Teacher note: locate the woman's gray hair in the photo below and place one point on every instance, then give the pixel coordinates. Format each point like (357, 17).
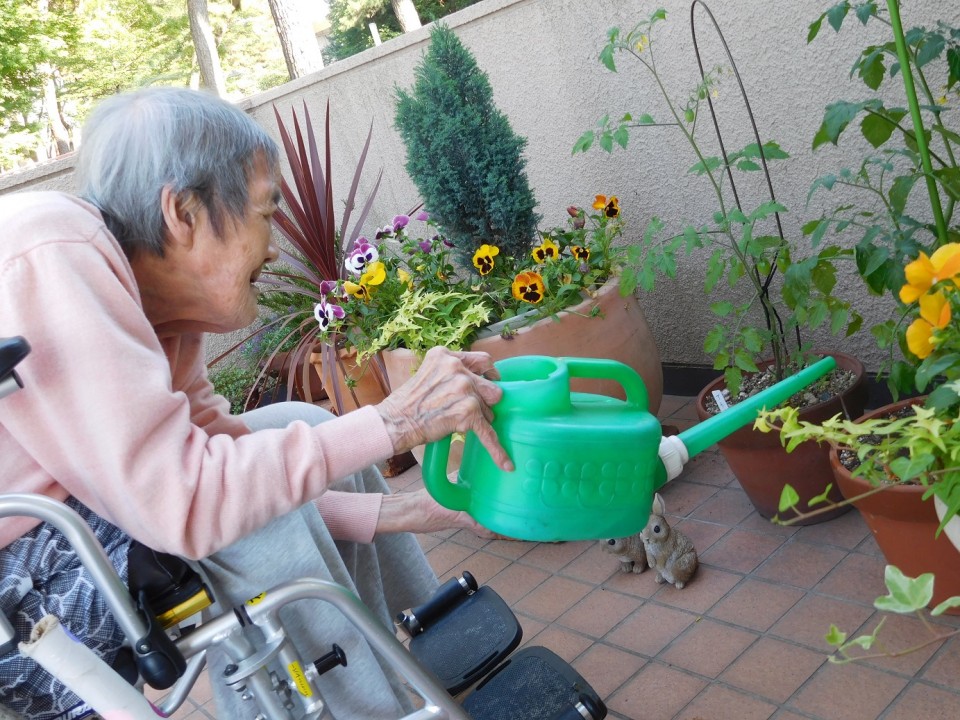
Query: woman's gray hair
(134, 144)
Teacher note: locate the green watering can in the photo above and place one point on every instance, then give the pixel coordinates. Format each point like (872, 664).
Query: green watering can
(587, 465)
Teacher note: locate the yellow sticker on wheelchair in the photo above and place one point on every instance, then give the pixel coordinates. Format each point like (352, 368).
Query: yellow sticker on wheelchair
(299, 679)
(256, 598)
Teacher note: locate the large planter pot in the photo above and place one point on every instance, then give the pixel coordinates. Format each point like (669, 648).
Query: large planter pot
(763, 466)
(279, 366)
(364, 387)
(607, 326)
(903, 524)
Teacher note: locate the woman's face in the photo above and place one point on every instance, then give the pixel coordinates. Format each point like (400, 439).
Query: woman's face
(226, 268)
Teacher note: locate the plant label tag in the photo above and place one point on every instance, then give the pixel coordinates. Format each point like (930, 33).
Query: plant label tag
(720, 400)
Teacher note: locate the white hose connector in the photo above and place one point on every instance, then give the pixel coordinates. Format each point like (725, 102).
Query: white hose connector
(674, 455)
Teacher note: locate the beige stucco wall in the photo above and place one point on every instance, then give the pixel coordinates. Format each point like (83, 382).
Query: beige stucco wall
(541, 58)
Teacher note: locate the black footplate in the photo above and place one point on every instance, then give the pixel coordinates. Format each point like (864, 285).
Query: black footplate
(535, 684)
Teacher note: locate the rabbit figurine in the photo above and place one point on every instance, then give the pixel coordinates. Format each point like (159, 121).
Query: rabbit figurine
(629, 551)
(669, 551)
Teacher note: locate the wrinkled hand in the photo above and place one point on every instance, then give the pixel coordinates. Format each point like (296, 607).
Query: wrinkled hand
(447, 394)
(418, 512)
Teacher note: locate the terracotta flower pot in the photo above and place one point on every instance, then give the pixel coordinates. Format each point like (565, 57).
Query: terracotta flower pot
(903, 524)
(763, 466)
(367, 388)
(618, 332)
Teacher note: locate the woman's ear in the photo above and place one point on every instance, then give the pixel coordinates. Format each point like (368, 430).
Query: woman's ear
(179, 216)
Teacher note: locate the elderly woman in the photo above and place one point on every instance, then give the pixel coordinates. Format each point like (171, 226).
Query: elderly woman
(115, 290)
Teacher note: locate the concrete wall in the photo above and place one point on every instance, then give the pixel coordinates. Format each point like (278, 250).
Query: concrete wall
(541, 58)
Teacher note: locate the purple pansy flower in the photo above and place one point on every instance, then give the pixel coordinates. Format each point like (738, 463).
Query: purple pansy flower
(400, 222)
(327, 287)
(363, 254)
(422, 216)
(426, 245)
(326, 313)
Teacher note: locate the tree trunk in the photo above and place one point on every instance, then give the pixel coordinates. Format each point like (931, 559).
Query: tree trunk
(300, 47)
(51, 105)
(52, 108)
(211, 74)
(406, 14)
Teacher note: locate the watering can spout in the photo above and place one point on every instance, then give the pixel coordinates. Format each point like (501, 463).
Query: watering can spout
(676, 450)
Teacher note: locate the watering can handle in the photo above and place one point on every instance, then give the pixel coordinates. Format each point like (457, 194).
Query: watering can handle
(600, 369)
(453, 497)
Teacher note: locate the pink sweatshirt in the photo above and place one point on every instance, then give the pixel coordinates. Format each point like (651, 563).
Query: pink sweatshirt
(129, 424)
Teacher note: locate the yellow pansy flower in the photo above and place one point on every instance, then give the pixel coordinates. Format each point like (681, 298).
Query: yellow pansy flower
(610, 207)
(483, 258)
(934, 315)
(548, 250)
(405, 277)
(925, 272)
(580, 253)
(375, 274)
(528, 286)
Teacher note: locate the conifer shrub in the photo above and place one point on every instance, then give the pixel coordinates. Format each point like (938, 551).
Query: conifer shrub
(463, 155)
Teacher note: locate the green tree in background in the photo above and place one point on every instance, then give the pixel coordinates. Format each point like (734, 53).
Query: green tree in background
(350, 19)
(462, 153)
(59, 57)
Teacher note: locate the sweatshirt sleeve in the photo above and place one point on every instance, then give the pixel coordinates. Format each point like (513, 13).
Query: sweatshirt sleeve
(99, 414)
(350, 516)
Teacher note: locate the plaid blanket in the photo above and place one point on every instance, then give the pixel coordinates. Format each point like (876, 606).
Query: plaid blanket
(40, 574)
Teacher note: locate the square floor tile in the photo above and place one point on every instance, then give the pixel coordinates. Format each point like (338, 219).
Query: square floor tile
(650, 629)
(741, 550)
(607, 668)
(552, 598)
(944, 669)
(800, 564)
(515, 581)
(708, 469)
(717, 701)
(904, 634)
(568, 645)
(728, 507)
(808, 622)
(706, 588)
(924, 701)
(599, 612)
(703, 535)
(707, 647)
(847, 692)
(773, 669)
(681, 498)
(756, 604)
(592, 566)
(553, 556)
(656, 692)
(857, 577)
(846, 531)
(447, 556)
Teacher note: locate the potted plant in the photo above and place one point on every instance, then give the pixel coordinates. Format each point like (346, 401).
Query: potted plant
(406, 294)
(312, 262)
(909, 451)
(746, 250)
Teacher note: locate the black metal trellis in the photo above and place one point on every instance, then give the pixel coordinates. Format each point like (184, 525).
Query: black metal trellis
(765, 282)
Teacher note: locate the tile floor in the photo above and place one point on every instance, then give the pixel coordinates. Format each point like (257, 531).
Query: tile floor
(743, 641)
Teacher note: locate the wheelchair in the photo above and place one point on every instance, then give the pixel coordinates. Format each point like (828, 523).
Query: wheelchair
(458, 661)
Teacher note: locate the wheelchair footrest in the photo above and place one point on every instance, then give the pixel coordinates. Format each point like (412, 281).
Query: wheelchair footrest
(535, 684)
(467, 642)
